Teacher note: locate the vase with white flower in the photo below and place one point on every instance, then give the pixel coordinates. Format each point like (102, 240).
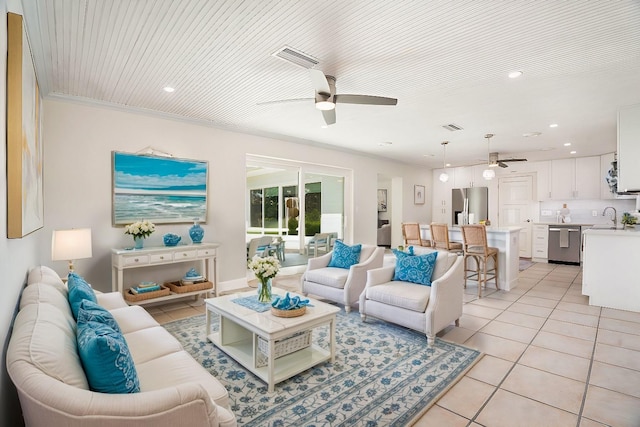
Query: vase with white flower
(140, 230)
(265, 270)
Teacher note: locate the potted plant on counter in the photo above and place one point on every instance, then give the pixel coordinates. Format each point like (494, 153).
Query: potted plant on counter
(628, 220)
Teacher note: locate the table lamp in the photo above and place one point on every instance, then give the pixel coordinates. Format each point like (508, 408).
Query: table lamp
(69, 245)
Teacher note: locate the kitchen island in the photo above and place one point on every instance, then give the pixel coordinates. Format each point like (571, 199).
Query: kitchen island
(609, 270)
(506, 239)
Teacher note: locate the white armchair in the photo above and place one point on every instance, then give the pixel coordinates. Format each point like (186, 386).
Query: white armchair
(340, 285)
(427, 309)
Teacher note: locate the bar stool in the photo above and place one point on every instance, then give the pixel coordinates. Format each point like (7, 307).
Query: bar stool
(440, 238)
(411, 234)
(475, 246)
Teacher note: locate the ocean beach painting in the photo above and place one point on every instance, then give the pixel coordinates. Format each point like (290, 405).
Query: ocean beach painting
(159, 189)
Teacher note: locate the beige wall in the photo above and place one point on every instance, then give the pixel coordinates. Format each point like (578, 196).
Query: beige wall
(80, 138)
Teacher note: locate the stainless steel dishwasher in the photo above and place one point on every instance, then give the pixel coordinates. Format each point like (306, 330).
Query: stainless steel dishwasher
(564, 244)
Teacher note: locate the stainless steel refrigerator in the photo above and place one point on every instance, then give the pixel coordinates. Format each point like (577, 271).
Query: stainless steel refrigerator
(469, 205)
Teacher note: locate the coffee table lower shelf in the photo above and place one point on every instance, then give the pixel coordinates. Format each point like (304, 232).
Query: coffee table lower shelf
(284, 367)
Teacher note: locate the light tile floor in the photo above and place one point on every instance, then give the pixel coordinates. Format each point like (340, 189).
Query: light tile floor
(550, 358)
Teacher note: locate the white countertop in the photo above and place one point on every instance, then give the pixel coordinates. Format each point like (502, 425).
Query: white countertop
(490, 229)
(631, 232)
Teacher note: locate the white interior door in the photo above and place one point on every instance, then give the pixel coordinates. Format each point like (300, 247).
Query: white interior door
(515, 201)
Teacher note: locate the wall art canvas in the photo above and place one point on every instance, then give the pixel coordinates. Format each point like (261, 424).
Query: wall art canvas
(25, 200)
(418, 195)
(382, 200)
(158, 188)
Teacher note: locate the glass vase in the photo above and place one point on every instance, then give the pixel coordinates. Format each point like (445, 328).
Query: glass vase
(138, 241)
(196, 232)
(264, 290)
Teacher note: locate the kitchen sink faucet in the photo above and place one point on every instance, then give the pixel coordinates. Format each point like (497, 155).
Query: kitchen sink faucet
(615, 215)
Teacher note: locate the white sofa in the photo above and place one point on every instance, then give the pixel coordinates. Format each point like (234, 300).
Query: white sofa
(339, 284)
(427, 309)
(43, 363)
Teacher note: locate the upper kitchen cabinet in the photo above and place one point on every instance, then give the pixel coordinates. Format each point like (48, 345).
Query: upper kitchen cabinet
(441, 201)
(629, 148)
(577, 178)
(469, 176)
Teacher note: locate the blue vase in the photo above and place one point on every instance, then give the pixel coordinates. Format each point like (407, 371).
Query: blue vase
(139, 242)
(196, 233)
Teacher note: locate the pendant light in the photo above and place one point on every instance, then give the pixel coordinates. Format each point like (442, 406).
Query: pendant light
(444, 177)
(488, 173)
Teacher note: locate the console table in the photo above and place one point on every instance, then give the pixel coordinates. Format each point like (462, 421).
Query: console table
(123, 259)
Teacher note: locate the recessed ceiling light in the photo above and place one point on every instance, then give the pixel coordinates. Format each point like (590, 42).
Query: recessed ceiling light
(553, 125)
(168, 89)
(324, 126)
(531, 134)
(573, 152)
(448, 165)
(385, 143)
(566, 144)
(515, 74)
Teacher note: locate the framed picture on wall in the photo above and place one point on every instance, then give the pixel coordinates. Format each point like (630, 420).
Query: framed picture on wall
(158, 188)
(418, 194)
(382, 200)
(25, 200)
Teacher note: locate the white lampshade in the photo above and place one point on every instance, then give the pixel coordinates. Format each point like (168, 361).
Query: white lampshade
(444, 177)
(69, 245)
(488, 174)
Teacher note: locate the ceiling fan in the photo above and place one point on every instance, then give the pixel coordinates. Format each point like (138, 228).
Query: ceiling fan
(495, 161)
(326, 97)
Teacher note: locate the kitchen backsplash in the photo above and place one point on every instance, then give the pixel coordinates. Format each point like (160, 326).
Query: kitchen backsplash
(582, 210)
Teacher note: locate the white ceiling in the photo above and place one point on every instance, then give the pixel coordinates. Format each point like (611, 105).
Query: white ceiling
(445, 61)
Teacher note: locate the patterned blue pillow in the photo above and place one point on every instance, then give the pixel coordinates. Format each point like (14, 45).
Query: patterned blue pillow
(91, 312)
(344, 256)
(106, 360)
(79, 290)
(415, 268)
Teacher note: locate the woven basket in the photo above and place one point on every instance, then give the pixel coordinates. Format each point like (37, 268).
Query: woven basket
(288, 313)
(179, 288)
(164, 291)
(282, 347)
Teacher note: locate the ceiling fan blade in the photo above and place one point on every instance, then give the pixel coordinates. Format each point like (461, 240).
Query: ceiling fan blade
(513, 160)
(329, 116)
(283, 101)
(502, 165)
(319, 81)
(365, 99)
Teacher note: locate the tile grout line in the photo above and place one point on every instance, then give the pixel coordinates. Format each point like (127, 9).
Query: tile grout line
(497, 387)
(586, 384)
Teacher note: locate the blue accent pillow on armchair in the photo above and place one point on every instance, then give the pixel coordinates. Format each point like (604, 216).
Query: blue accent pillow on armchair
(106, 359)
(415, 268)
(344, 256)
(79, 290)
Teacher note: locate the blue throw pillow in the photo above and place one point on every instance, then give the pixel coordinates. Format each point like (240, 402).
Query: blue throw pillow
(344, 256)
(106, 360)
(415, 268)
(79, 290)
(91, 312)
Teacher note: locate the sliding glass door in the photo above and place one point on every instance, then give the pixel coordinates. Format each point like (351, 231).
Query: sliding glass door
(277, 206)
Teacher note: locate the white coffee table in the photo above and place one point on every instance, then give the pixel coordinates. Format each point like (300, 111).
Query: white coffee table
(241, 328)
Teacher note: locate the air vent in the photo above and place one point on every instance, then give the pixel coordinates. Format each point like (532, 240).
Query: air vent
(296, 57)
(452, 127)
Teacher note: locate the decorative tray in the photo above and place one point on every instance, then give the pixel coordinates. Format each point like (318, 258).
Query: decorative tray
(289, 313)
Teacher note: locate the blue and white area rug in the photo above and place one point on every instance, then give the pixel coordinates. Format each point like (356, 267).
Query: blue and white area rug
(384, 375)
